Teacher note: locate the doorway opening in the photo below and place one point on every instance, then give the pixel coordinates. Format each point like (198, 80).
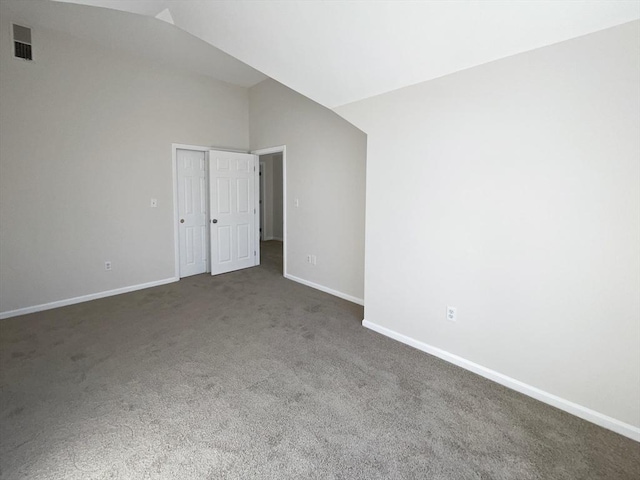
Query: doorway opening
(272, 164)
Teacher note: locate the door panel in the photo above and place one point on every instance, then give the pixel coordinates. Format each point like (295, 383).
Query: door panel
(242, 185)
(193, 231)
(233, 211)
(224, 196)
(224, 244)
(244, 241)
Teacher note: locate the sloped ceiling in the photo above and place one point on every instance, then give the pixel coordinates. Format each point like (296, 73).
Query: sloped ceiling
(141, 36)
(338, 52)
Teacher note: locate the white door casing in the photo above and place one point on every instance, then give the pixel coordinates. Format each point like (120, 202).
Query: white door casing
(233, 211)
(193, 231)
(262, 201)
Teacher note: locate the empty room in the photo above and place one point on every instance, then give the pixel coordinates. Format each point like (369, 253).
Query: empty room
(209, 270)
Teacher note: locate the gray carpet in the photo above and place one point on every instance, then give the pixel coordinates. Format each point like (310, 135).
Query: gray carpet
(249, 375)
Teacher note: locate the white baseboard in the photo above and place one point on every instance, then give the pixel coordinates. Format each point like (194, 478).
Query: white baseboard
(578, 410)
(328, 290)
(84, 298)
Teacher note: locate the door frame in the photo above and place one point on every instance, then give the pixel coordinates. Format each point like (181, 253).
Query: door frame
(261, 200)
(176, 213)
(267, 151)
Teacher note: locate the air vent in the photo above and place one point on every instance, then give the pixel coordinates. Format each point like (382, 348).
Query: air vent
(22, 42)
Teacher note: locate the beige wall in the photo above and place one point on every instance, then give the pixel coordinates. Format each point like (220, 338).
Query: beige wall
(277, 196)
(511, 191)
(85, 144)
(325, 168)
(272, 181)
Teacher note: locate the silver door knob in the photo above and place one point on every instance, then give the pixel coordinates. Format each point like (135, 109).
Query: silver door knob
(215, 220)
(182, 220)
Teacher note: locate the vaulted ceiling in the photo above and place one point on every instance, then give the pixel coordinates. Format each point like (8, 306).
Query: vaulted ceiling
(338, 52)
(138, 35)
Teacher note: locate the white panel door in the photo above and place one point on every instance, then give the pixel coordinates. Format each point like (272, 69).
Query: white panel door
(232, 211)
(193, 228)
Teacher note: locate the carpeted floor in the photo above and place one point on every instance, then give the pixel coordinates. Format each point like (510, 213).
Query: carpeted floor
(248, 375)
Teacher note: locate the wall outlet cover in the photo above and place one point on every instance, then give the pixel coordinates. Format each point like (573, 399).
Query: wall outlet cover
(452, 313)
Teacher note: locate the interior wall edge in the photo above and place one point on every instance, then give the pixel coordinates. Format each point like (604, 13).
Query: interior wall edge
(84, 298)
(585, 413)
(322, 288)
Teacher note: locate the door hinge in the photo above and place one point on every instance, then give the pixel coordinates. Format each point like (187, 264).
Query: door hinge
(254, 253)
(254, 210)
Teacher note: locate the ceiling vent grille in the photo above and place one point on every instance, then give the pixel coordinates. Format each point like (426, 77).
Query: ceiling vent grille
(22, 42)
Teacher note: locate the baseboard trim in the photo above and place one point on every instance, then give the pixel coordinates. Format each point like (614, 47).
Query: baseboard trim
(573, 408)
(328, 290)
(84, 298)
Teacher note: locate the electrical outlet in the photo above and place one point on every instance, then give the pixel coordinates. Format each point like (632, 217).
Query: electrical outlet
(308, 258)
(452, 314)
(107, 265)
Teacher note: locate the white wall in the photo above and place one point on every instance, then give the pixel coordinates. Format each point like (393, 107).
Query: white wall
(277, 196)
(86, 143)
(326, 172)
(267, 196)
(272, 181)
(511, 191)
